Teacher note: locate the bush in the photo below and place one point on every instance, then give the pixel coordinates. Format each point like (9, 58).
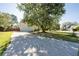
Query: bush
(1, 29)
(77, 28)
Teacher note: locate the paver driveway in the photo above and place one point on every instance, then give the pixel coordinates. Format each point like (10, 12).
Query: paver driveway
(26, 44)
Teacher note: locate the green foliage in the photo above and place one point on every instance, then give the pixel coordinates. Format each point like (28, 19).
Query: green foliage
(77, 28)
(44, 15)
(6, 20)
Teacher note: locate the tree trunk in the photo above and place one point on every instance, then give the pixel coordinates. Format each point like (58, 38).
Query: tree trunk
(43, 30)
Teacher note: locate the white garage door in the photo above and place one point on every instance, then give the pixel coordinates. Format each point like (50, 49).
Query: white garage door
(25, 28)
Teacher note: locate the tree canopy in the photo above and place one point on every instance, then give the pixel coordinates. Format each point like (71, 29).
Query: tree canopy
(43, 15)
(6, 20)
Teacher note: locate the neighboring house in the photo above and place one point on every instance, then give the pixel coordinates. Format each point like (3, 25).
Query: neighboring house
(67, 26)
(71, 28)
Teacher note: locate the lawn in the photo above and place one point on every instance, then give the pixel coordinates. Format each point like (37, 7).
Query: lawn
(66, 36)
(4, 40)
(60, 35)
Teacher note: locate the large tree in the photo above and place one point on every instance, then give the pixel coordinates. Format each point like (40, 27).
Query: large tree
(43, 15)
(6, 20)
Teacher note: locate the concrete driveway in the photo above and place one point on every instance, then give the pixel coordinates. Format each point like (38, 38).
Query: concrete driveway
(26, 44)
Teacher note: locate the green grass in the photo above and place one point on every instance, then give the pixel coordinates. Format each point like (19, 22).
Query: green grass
(4, 40)
(60, 36)
(66, 36)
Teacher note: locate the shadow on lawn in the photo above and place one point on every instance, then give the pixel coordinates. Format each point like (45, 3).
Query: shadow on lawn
(66, 36)
(30, 45)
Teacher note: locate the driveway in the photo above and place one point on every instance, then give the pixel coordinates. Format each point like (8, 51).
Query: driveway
(26, 44)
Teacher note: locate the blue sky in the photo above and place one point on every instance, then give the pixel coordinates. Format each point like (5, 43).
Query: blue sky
(11, 8)
(72, 11)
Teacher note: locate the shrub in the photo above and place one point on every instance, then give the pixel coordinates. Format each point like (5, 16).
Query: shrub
(77, 28)
(1, 28)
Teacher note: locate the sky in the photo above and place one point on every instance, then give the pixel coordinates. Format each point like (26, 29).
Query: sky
(71, 14)
(11, 8)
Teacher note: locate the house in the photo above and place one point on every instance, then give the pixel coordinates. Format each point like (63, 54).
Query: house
(25, 28)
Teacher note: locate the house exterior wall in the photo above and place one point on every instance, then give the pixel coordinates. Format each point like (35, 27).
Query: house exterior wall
(25, 28)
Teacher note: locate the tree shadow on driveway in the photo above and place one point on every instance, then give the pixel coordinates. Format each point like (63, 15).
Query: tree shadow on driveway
(33, 45)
